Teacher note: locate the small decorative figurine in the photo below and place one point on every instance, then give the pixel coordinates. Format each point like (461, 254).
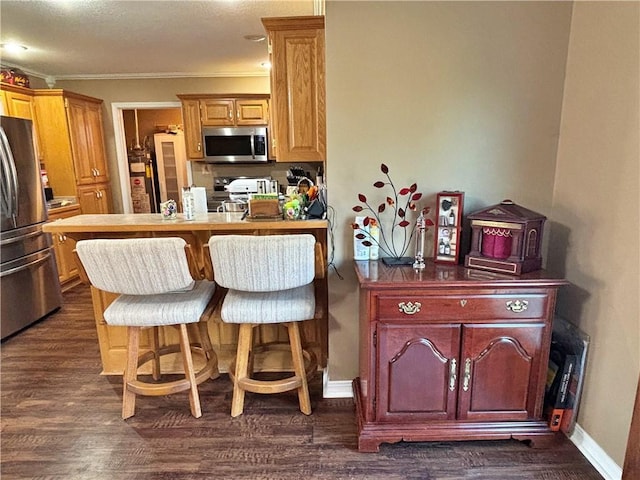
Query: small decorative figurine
(169, 210)
(506, 238)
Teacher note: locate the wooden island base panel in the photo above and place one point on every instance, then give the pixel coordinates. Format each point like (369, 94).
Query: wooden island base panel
(450, 353)
(113, 340)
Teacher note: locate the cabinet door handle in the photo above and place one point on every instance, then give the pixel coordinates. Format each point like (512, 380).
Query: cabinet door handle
(517, 306)
(467, 374)
(199, 147)
(409, 308)
(452, 374)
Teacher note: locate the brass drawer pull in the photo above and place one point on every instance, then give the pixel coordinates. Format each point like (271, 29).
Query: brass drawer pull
(409, 308)
(517, 306)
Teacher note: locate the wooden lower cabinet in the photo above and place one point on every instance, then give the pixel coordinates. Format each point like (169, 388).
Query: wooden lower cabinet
(63, 247)
(95, 198)
(455, 359)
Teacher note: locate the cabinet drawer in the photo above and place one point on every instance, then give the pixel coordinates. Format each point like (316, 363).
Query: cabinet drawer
(462, 307)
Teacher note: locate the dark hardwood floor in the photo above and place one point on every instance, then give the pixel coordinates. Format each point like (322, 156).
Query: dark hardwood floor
(61, 420)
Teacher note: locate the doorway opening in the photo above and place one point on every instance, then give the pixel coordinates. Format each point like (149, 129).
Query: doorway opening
(152, 117)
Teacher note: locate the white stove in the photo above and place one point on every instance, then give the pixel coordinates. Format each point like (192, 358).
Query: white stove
(235, 188)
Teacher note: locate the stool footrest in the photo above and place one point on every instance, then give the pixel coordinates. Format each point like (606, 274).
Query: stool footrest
(270, 386)
(159, 389)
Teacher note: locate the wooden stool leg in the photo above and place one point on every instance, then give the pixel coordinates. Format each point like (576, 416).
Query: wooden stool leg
(187, 360)
(130, 372)
(298, 366)
(245, 339)
(155, 345)
(210, 353)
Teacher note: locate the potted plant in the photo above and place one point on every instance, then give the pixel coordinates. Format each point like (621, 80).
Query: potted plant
(392, 239)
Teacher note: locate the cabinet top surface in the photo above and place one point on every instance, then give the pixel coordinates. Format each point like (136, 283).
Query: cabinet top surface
(135, 222)
(376, 275)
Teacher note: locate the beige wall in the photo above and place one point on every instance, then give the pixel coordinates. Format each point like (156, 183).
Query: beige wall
(152, 90)
(451, 95)
(595, 239)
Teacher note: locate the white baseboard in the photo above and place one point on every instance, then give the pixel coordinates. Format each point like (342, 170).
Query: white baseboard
(335, 388)
(602, 462)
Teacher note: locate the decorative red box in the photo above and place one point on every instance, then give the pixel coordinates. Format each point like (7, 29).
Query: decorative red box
(506, 238)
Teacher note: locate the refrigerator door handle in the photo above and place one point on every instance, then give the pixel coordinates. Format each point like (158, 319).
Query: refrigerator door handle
(9, 166)
(38, 261)
(21, 238)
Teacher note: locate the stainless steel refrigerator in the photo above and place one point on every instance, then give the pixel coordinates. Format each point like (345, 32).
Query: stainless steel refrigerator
(29, 287)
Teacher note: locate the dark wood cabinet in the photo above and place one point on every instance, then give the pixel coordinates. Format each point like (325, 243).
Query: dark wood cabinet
(450, 353)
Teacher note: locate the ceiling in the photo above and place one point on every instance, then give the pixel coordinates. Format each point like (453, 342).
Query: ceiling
(88, 39)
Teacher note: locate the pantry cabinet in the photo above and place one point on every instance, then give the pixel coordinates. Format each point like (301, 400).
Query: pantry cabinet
(220, 110)
(73, 150)
(63, 247)
(298, 118)
(450, 353)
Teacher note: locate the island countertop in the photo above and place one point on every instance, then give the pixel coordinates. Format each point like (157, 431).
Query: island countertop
(153, 222)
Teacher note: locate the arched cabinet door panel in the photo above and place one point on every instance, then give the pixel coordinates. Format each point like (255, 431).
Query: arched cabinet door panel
(499, 371)
(418, 365)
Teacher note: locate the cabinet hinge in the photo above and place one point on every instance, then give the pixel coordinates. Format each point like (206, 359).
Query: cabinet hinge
(375, 338)
(66, 103)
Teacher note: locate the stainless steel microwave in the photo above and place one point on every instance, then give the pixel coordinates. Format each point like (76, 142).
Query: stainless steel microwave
(235, 144)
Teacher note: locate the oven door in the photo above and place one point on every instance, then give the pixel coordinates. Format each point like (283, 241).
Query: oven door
(235, 144)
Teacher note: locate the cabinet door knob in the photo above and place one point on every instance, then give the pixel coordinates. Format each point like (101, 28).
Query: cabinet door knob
(517, 306)
(467, 374)
(453, 376)
(409, 308)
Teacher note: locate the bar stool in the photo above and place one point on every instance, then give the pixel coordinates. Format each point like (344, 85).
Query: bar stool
(155, 280)
(269, 281)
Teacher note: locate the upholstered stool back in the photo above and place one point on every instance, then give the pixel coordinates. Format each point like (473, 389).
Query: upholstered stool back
(153, 277)
(263, 263)
(140, 266)
(269, 280)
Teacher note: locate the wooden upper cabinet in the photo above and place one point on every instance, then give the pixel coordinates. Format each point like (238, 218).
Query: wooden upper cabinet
(219, 110)
(192, 128)
(72, 136)
(298, 118)
(87, 142)
(252, 112)
(234, 112)
(17, 102)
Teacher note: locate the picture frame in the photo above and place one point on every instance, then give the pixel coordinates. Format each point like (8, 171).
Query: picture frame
(448, 233)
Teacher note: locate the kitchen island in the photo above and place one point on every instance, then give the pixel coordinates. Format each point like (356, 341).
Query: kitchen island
(196, 232)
